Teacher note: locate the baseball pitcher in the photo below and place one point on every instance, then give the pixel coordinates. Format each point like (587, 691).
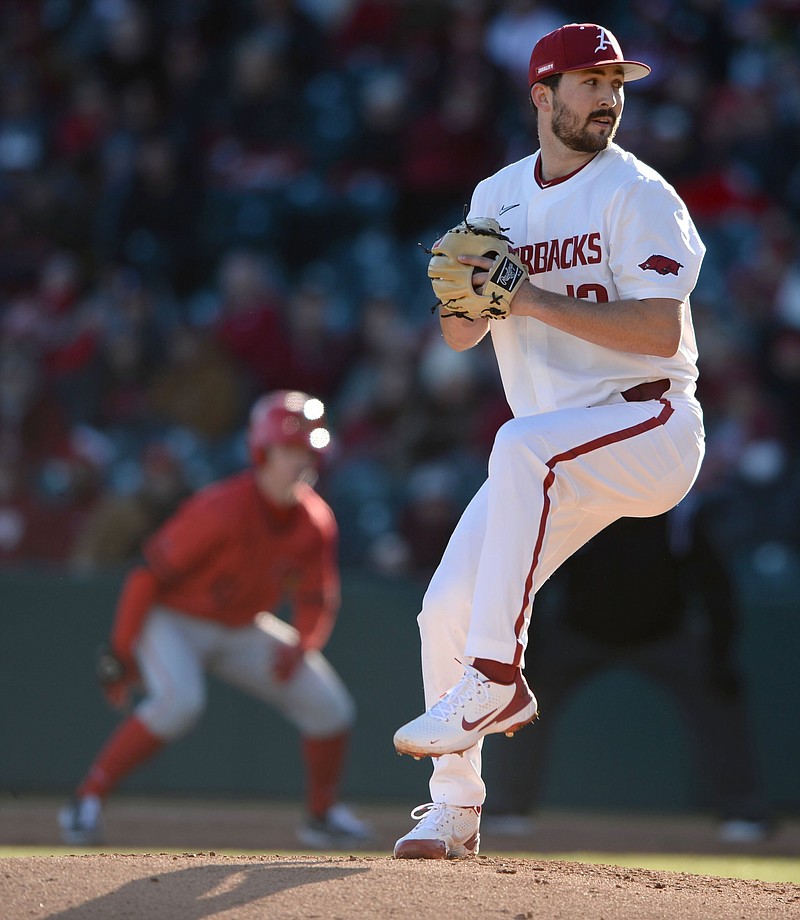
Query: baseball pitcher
(579, 261)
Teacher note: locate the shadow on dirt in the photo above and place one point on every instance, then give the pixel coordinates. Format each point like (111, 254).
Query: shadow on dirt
(204, 891)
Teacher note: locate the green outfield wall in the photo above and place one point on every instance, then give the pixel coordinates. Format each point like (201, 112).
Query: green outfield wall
(620, 744)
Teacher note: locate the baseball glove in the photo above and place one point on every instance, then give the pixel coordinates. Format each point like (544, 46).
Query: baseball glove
(116, 679)
(452, 280)
(108, 667)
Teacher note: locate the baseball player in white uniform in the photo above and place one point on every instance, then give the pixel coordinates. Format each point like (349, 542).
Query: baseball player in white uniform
(598, 362)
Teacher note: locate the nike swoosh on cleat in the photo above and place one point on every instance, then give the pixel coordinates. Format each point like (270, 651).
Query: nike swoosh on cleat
(469, 726)
(514, 706)
(507, 207)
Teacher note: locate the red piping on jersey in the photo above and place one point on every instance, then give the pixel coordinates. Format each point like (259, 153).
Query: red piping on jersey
(549, 479)
(542, 183)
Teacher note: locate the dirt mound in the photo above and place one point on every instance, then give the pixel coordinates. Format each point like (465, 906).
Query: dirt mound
(192, 886)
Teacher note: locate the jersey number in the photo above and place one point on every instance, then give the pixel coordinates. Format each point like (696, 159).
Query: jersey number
(585, 291)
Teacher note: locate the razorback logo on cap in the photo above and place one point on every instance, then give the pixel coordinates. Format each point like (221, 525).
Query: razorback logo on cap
(663, 265)
(603, 40)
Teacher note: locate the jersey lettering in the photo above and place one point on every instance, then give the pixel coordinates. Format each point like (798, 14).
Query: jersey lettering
(585, 291)
(548, 255)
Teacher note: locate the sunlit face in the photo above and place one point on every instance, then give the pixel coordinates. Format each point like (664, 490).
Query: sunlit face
(586, 108)
(286, 465)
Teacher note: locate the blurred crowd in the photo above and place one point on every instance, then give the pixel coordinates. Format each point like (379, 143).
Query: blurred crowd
(201, 200)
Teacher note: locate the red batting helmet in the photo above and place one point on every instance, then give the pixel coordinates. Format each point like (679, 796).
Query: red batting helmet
(287, 417)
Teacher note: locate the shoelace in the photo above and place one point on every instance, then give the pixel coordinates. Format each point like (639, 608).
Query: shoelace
(433, 810)
(422, 811)
(471, 685)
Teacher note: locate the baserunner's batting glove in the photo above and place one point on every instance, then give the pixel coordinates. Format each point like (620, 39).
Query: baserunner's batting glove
(115, 677)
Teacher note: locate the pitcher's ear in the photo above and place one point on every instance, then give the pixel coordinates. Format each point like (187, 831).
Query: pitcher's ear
(541, 96)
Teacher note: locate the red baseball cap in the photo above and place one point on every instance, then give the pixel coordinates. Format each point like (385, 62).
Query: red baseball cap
(579, 46)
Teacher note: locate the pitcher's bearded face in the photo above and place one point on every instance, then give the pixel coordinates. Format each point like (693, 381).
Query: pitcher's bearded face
(585, 135)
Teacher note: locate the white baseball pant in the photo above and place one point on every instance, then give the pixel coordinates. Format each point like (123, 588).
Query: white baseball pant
(555, 480)
(176, 651)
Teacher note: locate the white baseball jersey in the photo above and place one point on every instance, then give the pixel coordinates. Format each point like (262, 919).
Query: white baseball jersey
(613, 230)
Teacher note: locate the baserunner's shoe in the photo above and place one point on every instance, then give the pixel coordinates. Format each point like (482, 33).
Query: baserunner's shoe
(81, 821)
(443, 831)
(339, 829)
(475, 707)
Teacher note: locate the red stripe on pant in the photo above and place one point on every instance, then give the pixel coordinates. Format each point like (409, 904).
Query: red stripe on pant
(549, 479)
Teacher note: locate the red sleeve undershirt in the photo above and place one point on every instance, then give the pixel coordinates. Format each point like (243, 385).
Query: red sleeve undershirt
(314, 623)
(135, 600)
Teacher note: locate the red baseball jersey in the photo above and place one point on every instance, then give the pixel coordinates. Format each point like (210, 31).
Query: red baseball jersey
(228, 554)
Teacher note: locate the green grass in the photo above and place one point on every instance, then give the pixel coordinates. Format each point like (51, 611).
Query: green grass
(761, 868)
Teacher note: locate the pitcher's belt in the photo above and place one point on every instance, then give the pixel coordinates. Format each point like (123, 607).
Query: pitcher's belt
(653, 389)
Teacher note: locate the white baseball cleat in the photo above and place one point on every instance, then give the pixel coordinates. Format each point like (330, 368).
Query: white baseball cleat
(743, 830)
(339, 829)
(443, 831)
(81, 821)
(475, 707)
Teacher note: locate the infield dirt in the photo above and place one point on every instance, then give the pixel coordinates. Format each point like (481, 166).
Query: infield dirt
(203, 882)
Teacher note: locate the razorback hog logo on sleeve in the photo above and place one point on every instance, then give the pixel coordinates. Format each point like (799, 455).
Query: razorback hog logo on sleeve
(661, 264)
